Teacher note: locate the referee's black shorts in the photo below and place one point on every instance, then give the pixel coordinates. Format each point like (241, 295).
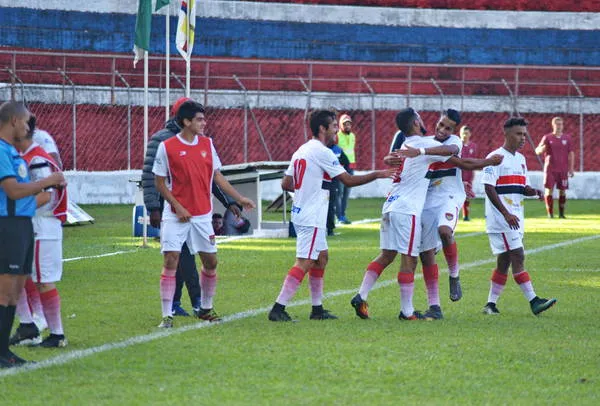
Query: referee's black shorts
(16, 245)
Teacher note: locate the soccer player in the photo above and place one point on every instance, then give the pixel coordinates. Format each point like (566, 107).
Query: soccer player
(559, 165)
(505, 187)
(445, 197)
(47, 265)
(184, 169)
(17, 206)
(309, 176)
(469, 151)
(401, 223)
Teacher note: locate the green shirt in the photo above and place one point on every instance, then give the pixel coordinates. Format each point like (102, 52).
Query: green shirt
(347, 142)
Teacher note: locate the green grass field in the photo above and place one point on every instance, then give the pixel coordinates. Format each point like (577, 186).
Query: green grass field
(116, 354)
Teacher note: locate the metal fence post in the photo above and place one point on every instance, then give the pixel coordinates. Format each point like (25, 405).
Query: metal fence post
(439, 89)
(245, 92)
(15, 78)
(373, 145)
(128, 118)
(74, 113)
(581, 97)
(307, 108)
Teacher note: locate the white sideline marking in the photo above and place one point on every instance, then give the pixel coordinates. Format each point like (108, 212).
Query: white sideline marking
(79, 354)
(110, 254)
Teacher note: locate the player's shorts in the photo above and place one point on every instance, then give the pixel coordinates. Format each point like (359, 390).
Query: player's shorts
(504, 242)
(560, 179)
(435, 217)
(199, 236)
(401, 233)
(47, 261)
(310, 241)
(16, 245)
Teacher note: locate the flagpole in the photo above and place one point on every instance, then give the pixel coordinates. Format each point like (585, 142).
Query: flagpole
(144, 213)
(188, 61)
(168, 60)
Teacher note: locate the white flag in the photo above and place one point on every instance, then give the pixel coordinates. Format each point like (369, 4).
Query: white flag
(185, 28)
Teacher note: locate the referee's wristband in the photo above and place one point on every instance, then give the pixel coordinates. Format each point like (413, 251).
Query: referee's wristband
(422, 151)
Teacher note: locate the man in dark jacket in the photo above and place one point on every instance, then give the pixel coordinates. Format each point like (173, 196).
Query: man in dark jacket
(186, 270)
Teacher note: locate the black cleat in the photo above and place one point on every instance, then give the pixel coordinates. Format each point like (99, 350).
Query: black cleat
(208, 315)
(54, 341)
(433, 313)
(11, 360)
(490, 308)
(539, 305)
(26, 334)
(361, 307)
(455, 289)
(322, 315)
(278, 313)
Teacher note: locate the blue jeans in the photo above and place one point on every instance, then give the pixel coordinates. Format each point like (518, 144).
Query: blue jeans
(342, 197)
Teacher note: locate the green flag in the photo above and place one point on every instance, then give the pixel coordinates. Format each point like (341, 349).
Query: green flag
(161, 3)
(142, 29)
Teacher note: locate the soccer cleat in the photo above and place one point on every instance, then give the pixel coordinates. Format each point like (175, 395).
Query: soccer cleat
(167, 322)
(208, 315)
(539, 305)
(54, 341)
(322, 315)
(490, 308)
(561, 216)
(361, 307)
(278, 314)
(345, 220)
(466, 218)
(455, 289)
(417, 315)
(11, 360)
(433, 313)
(177, 310)
(26, 334)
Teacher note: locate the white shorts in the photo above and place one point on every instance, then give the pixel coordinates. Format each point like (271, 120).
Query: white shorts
(199, 236)
(310, 241)
(47, 261)
(503, 242)
(401, 233)
(432, 219)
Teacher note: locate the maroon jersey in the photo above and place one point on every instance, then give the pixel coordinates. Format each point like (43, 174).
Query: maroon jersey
(556, 157)
(469, 151)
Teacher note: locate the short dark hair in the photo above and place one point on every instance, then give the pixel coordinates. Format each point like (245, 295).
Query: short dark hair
(32, 122)
(405, 119)
(188, 110)
(11, 109)
(217, 216)
(515, 121)
(320, 118)
(453, 115)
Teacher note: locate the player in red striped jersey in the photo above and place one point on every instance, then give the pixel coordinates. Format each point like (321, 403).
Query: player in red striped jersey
(184, 169)
(506, 186)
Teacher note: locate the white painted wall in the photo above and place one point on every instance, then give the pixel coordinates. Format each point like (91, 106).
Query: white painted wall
(115, 187)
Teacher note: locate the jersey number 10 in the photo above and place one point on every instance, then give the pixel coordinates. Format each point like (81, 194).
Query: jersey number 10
(299, 169)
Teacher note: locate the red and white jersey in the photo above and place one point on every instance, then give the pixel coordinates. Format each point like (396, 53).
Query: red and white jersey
(48, 219)
(509, 178)
(468, 151)
(312, 167)
(445, 179)
(189, 169)
(410, 184)
(45, 140)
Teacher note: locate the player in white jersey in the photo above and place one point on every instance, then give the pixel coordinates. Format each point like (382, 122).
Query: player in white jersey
(45, 140)
(505, 188)
(401, 223)
(309, 176)
(47, 264)
(445, 197)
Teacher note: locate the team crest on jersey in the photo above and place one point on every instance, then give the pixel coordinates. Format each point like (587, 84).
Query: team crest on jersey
(22, 171)
(449, 216)
(212, 239)
(203, 153)
(564, 142)
(182, 153)
(489, 170)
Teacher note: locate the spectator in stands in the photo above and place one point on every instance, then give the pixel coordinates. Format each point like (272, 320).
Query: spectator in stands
(469, 151)
(333, 192)
(559, 165)
(17, 207)
(186, 270)
(346, 140)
